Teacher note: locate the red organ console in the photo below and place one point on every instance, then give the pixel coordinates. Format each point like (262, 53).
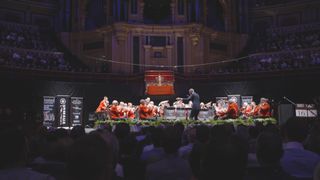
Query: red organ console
(159, 82)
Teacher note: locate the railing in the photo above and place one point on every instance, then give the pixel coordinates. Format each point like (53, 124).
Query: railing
(8, 24)
(20, 72)
(31, 50)
(264, 3)
(295, 28)
(284, 52)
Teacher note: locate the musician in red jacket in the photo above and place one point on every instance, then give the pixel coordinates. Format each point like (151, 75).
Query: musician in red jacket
(102, 109)
(115, 110)
(153, 110)
(122, 110)
(103, 105)
(219, 109)
(143, 110)
(246, 110)
(130, 111)
(233, 109)
(264, 108)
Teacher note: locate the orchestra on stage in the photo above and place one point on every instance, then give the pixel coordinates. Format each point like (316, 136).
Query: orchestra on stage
(148, 110)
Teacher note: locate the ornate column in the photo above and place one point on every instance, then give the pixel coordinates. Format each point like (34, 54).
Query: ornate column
(126, 10)
(169, 54)
(107, 10)
(193, 46)
(173, 11)
(229, 19)
(118, 10)
(140, 11)
(197, 11)
(147, 54)
(205, 11)
(82, 15)
(119, 48)
(114, 10)
(194, 35)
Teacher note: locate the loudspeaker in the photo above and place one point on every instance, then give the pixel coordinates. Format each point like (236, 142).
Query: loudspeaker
(285, 112)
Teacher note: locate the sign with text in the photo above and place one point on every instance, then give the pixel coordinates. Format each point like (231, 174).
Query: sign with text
(62, 110)
(306, 110)
(48, 111)
(76, 111)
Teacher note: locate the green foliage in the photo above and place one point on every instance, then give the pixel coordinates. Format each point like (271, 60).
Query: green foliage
(162, 122)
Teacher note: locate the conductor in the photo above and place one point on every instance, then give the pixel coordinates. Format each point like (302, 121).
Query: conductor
(194, 97)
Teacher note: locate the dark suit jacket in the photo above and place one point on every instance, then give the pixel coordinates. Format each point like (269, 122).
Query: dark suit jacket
(195, 98)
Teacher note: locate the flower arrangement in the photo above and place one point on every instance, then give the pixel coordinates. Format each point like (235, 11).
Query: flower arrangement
(163, 122)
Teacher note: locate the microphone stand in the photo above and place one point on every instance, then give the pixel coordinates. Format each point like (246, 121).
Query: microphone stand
(291, 102)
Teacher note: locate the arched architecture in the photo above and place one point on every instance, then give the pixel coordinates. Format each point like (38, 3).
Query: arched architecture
(179, 33)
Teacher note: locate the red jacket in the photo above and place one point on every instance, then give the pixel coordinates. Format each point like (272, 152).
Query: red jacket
(114, 112)
(130, 114)
(265, 110)
(102, 106)
(143, 112)
(233, 110)
(247, 111)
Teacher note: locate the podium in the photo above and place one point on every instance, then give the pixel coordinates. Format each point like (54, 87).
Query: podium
(286, 111)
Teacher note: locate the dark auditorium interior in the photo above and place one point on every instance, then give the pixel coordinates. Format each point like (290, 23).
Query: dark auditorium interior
(160, 90)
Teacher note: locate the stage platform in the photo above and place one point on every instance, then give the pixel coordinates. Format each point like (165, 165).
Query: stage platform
(144, 123)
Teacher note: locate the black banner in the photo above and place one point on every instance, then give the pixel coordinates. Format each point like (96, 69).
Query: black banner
(48, 111)
(76, 111)
(62, 110)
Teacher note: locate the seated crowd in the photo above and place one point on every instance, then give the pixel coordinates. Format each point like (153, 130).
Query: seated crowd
(270, 62)
(260, 3)
(283, 61)
(165, 152)
(292, 48)
(33, 59)
(274, 41)
(25, 36)
(26, 46)
(277, 49)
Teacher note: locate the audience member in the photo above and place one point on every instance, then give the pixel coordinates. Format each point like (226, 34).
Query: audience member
(197, 153)
(184, 151)
(90, 157)
(313, 141)
(269, 152)
(157, 153)
(13, 157)
(297, 161)
(227, 160)
(77, 132)
(171, 167)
